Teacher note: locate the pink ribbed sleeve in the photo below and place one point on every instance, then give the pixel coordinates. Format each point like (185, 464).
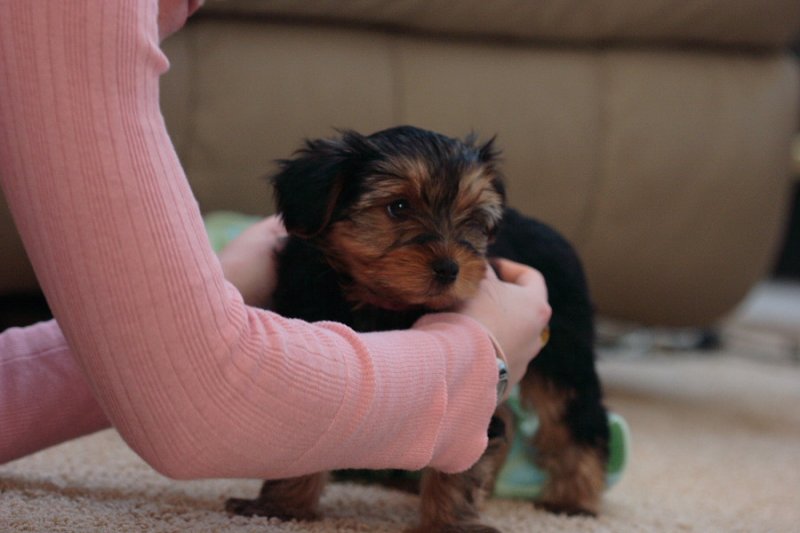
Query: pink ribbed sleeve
(44, 397)
(197, 383)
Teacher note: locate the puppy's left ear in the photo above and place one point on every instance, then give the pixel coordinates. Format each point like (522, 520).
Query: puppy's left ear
(488, 152)
(314, 185)
(490, 156)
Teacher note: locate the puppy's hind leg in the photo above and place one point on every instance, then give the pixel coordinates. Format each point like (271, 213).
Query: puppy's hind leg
(287, 499)
(561, 383)
(563, 387)
(571, 445)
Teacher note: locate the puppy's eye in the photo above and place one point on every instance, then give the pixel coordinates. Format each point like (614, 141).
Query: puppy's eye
(399, 208)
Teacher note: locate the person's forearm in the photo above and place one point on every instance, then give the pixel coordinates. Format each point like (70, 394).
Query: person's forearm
(196, 382)
(44, 397)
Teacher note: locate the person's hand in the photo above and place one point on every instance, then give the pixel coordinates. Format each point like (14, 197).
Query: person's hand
(249, 261)
(514, 309)
(172, 15)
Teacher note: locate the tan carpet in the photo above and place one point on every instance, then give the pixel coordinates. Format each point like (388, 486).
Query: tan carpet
(716, 447)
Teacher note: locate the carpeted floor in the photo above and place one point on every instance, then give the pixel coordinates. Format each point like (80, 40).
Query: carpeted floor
(716, 448)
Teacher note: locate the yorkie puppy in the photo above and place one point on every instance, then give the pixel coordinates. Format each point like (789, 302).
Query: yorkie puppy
(386, 227)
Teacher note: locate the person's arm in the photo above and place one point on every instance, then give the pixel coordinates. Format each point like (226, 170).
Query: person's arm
(197, 383)
(44, 397)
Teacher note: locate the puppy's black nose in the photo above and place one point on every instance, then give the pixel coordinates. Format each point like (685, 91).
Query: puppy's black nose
(446, 270)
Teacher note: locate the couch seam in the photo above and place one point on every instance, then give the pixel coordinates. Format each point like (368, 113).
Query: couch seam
(600, 170)
(397, 96)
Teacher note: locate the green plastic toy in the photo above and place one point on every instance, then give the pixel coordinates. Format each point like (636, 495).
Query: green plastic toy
(520, 478)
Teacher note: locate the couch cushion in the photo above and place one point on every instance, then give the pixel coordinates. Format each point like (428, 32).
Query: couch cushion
(759, 23)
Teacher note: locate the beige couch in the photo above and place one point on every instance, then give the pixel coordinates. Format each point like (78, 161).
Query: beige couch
(654, 133)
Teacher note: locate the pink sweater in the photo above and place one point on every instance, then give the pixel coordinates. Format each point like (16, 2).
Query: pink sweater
(196, 382)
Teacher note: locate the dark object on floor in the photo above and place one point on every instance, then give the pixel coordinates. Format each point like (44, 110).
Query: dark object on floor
(789, 261)
(24, 309)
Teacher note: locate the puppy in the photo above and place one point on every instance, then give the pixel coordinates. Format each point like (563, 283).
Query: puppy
(386, 227)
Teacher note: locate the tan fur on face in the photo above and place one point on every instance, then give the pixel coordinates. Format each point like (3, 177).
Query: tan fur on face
(476, 192)
(390, 259)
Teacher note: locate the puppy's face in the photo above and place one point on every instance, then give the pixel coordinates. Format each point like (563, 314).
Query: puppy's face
(406, 214)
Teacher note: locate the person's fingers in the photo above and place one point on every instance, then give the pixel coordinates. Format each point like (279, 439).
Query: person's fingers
(517, 273)
(172, 15)
(274, 223)
(490, 274)
(508, 270)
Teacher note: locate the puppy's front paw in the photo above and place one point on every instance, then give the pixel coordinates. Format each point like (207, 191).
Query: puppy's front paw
(257, 507)
(569, 508)
(577, 480)
(455, 528)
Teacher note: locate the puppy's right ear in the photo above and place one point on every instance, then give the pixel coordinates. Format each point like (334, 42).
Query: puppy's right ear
(312, 186)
